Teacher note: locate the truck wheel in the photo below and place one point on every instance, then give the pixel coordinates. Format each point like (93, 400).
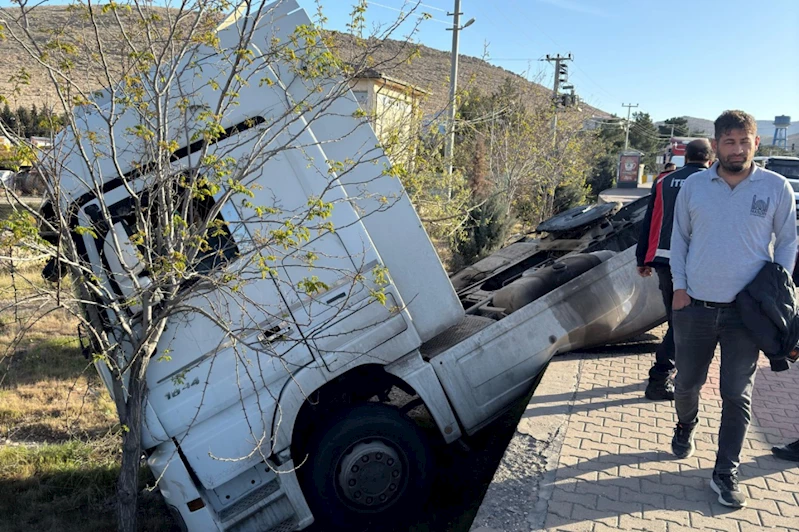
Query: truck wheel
(368, 465)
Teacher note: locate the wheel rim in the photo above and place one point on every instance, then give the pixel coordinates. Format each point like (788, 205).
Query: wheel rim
(371, 475)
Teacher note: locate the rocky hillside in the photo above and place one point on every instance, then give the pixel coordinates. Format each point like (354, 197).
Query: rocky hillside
(429, 70)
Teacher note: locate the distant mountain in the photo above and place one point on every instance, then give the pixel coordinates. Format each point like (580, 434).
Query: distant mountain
(428, 71)
(765, 128)
(698, 125)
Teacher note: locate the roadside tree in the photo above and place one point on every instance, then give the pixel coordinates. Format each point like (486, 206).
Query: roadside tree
(165, 204)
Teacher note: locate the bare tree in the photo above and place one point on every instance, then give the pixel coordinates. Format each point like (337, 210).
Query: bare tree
(527, 160)
(172, 203)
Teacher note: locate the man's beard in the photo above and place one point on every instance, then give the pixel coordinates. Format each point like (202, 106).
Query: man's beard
(734, 167)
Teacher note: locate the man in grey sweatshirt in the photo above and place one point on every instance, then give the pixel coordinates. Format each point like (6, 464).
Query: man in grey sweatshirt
(729, 221)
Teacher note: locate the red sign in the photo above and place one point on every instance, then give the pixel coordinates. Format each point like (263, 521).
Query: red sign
(628, 168)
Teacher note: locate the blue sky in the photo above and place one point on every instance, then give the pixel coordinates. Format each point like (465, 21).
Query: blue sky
(694, 58)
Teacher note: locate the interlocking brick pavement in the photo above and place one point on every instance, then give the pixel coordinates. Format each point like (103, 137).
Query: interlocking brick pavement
(614, 469)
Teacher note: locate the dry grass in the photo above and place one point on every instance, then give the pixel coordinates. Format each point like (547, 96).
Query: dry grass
(51, 394)
(48, 391)
(59, 436)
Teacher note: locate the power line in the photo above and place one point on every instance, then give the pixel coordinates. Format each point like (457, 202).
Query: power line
(432, 7)
(369, 2)
(533, 24)
(488, 16)
(529, 20)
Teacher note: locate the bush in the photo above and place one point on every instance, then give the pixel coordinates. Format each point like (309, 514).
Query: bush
(488, 227)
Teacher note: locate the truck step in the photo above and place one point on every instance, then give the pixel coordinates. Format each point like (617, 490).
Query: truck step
(289, 525)
(249, 503)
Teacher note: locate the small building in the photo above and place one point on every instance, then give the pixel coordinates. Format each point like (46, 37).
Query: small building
(394, 109)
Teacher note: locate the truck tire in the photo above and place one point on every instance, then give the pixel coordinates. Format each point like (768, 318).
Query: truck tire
(368, 465)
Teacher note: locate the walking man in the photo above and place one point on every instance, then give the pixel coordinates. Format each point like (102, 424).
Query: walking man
(653, 251)
(724, 222)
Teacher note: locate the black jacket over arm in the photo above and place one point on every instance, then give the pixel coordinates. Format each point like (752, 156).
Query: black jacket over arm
(769, 311)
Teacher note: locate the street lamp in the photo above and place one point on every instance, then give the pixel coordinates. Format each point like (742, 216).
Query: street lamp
(449, 147)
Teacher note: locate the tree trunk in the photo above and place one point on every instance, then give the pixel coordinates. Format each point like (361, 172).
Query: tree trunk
(128, 481)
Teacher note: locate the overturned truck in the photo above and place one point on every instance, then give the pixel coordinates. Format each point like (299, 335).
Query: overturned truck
(313, 433)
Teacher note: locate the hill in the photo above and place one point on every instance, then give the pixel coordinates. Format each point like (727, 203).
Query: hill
(765, 128)
(699, 125)
(429, 70)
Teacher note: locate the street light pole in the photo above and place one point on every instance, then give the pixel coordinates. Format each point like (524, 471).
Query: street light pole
(453, 86)
(449, 147)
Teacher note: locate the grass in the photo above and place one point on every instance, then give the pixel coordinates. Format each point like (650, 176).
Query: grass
(27, 279)
(69, 487)
(57, 486)
(50, 393)
(59, 435)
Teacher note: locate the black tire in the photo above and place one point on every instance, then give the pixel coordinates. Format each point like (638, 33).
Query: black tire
(394, 467)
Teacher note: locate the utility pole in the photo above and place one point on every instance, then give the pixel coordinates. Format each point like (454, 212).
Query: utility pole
(449, 147)
(629, 106)
(561, 76)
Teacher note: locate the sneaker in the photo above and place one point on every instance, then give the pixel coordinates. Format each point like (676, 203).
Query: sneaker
(726, 486)
(789, 451)
(682, 444)
(660, 390)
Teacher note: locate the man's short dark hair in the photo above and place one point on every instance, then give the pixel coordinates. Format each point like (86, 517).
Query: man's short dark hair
(670, 166)
(730, 120)
(699, 150)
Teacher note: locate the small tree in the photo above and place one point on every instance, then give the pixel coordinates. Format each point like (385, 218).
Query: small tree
(644, 137)
(156, 212)
(527, 160)
(674, 127)
(488, 227)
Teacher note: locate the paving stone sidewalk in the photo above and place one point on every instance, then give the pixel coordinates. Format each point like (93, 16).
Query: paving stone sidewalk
(592, 454)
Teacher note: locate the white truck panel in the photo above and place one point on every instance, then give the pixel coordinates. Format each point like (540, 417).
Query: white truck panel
(432, 302)
(483, 374)
(234, 440)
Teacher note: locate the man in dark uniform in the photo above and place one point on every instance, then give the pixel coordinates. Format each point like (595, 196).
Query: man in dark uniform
(653, 253)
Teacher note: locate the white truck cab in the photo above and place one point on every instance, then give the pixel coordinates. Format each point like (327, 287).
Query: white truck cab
(293, 422)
